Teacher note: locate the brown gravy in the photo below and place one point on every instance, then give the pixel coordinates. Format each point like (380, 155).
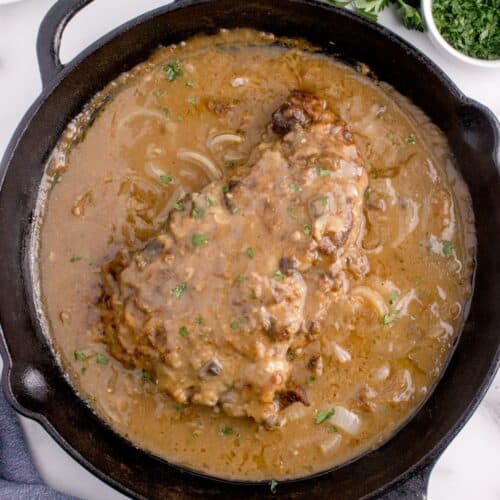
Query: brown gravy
(117, 174)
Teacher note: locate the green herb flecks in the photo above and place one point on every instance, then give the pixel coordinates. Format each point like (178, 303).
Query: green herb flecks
(190, 84)
(193, 100)
(199, 239)
(323, 201)
(165, 111)
(310, 379)
(199, 320)
(235, 324)
(225, 189)
(179, 289)
(179, 206)
(226, 431)
(323, 172)
(183, 331)
(333, 429)
(278, 275)
(470, 26)
(307, 229)
(166, 179)
(410, 139)
(393, 297)
(159, 93)
(447, 249)
(240, 278)
(210, 202)
(250, 252)
(291, 212)
(173, 70)
(147, 376)
(390, 318)
(273, 485)
(295, 188)
(79, 355)
(323, 415)
(197, 212)
(74, 258)
(101, 359)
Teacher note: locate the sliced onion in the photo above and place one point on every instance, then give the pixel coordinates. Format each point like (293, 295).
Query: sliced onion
(145, 113)
(208, 166)
(403, 303)
(331, 443)
(222, 138)
(346, 420)
(341, 354)
(371, 296)
(410, 222)
(408, 388)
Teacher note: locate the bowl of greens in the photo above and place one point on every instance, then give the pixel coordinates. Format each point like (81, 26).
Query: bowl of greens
(469, 30)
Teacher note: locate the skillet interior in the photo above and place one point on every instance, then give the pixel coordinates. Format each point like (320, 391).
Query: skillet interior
(37, 386)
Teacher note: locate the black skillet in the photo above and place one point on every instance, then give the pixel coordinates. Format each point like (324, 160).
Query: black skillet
(33, 380)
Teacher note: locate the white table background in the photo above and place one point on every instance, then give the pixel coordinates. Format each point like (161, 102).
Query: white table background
(468, 469)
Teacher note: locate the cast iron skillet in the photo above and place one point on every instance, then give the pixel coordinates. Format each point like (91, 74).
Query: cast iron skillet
(33, 380)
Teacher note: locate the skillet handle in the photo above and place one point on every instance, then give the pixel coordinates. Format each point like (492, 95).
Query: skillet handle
(413, 487)
(50, 34)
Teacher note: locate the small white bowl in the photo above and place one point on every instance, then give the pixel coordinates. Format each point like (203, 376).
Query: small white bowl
(438, 40)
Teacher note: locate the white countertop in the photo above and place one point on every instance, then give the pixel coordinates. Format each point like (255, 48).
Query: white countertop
(469, 468)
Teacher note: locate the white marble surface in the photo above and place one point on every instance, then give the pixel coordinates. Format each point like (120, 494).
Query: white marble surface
(469, 468)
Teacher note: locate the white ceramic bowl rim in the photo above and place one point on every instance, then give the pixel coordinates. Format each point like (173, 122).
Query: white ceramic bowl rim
(439, 39)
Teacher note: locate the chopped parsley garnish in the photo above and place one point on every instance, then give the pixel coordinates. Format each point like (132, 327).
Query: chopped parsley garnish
(410, 139)
(295, 188)
(225, 189)
(226, 431)
(146, 376)
(278, 275)
(183, 331)
(179, 289)
(470, 26)
(273, 485)
(165, 111)
(310, 379)
(333, 429)
(199, 239)
(57, 178)
(179, 118)
(159, 93)
(193, 100)
(240, 278)
(291, 212)
(389, 318)
(447, 249)
(290, 354)
(210, 202)
(173, 70)
(323, 172)
(235, 324)
(80, 355)
(393, 297)
(178, 407)
(75, 258)
(191, 84)
(179, 206)
(250, 252)
(166, 179)
(199, 320)
(197, 212)
(323, 201)
(307, 229)
(322, 416)
(101, 359)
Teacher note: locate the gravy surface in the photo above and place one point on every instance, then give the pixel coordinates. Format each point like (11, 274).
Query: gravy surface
(173, 125)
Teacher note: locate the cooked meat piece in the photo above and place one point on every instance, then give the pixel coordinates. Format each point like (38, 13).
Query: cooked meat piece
(213, 304)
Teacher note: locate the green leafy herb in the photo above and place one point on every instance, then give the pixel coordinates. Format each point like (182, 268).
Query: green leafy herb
(323, 415)
(307, 229)
(447, 249)
(80, 355)
(389, 318)
(323, 201)
(191, 84)
(159, 93)
(199, 320)
(240, 278)
(101, 359)
(225, 189)
(179, 289)
(178, 407)
(410, 139)
(165, 111)
(235, 324)
(173, 70)
(226, 431)
(179, 118)
(291, 212)
(179, 206)
(278, 275)
(250, 252)
(295, 188)
(273, 485)
(310, 379)
(146, 376)
(410, 16)
(393, 297)
(323, 172)
(199, 239)
(74, 258)
(333, 429)
(166, 179)
(183, 331)
(193, 100)
(210, 202)
(290, 354)
(197, 212)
